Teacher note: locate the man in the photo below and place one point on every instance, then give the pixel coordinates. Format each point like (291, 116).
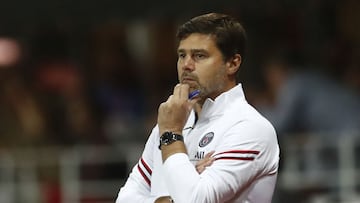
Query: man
(214, 147)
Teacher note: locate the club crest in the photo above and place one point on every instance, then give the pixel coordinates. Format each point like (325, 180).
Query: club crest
(208, 137)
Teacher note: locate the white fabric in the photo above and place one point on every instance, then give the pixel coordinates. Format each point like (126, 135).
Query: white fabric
(246, 152)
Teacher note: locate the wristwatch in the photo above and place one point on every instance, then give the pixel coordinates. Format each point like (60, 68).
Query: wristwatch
(169, 137)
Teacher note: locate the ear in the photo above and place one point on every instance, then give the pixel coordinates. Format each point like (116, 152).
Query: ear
(233, 64)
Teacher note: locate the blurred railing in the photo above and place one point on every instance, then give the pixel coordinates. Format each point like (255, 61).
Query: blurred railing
(325, 169)
(67, 175)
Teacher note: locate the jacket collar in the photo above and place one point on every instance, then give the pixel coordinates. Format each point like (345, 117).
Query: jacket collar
(217, 107)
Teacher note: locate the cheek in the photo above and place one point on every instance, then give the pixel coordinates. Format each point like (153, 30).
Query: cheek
(215, 76)
(206, 77)
(179, 70)
(210, 72)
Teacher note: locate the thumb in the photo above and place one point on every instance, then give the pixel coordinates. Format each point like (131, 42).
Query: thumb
(191, 103)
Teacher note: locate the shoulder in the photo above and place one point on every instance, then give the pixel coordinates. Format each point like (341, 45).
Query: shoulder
(256, 133)
(249, 124)
(244, 113)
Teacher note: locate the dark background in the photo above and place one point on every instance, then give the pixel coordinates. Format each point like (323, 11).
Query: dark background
(94, 72)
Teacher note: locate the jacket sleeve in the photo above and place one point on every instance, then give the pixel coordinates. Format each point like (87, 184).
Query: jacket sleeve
(246, 153)
(137, 186)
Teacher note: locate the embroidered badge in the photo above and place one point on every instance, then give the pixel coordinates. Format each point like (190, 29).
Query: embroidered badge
(208, 137)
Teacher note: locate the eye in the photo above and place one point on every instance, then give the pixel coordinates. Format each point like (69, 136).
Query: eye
(199, 56)
(181, 55)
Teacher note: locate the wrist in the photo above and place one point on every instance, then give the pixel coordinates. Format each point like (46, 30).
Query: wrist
(174, 148)
(164, 199)
(168, 138)
(175, 131)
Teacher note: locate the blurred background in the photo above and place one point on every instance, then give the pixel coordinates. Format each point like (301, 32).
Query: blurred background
(81, 81)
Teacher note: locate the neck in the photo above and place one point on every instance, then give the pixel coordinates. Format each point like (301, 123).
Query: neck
(198, 108)
(200, 103)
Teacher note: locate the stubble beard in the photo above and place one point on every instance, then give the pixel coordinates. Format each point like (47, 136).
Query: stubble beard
(215, 86)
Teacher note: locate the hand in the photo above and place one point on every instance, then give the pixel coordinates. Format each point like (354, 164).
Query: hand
(173, 114)
(164, 199)
(205, 162)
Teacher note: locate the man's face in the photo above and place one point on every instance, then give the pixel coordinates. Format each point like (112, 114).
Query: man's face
(201, 65)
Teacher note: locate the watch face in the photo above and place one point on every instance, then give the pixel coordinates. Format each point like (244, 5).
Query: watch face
(166, 137)
(169, 137)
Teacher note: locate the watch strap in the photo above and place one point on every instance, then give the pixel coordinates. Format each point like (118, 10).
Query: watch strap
(169, 137)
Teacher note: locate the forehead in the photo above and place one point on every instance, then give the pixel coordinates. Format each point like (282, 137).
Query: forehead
(197, 41)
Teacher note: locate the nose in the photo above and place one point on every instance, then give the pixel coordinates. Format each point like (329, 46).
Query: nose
(188, 64)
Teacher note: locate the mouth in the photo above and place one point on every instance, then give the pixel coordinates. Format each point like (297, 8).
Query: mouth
(187, 79)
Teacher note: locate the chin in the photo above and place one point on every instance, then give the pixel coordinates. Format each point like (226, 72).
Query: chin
(191, 89)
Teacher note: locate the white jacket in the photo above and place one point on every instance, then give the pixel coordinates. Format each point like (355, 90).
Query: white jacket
(245, 166)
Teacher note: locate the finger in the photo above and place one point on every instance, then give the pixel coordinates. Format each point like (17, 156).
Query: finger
(177, 90)
(209, 154)
(200, 169)
(170, 98)
(208, 162)
(206, 159)
(201, 162)
(184, 93)
(191, 103)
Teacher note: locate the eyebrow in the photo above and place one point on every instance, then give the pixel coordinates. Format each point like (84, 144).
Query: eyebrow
(192, 50)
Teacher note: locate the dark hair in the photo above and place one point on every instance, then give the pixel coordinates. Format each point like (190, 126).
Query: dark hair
(229, 34)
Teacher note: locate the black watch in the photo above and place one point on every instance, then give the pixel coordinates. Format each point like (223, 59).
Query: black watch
(169, 137)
